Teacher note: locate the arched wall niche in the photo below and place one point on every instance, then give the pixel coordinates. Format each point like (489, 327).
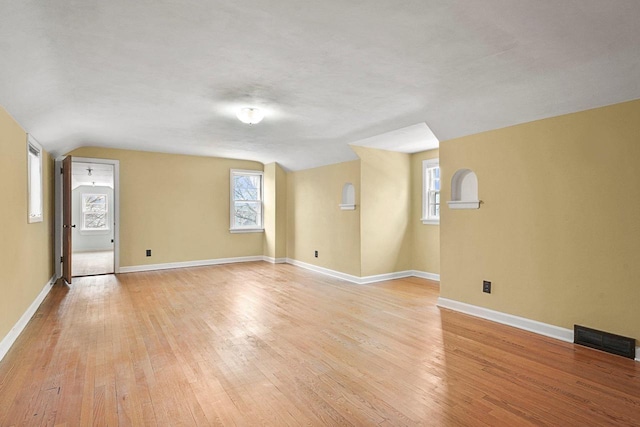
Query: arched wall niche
(348, 202)
(464, 190)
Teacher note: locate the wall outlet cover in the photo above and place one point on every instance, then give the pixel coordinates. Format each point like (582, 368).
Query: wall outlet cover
(486, 286)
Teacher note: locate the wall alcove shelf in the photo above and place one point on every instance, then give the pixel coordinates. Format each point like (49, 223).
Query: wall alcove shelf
(464, 190)
(348, 197)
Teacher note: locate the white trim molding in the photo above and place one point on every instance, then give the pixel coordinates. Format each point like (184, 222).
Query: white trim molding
(322, 270)
(17, 329)
(58, 208)
(551, 331)
(34, 149)
(347, 206)
(364, 279)
(184, 264)
(427, 165)
(233, 227)
(326, 271)
(464, 204)
(386, 276)
(426, 275)
(534, 326)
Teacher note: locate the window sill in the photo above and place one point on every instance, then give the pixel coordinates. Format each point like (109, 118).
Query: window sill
(431, 221)
(464, 204)
(246, 230)
(35, 218)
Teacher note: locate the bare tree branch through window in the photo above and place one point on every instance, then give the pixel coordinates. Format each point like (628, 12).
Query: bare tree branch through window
(246, 200)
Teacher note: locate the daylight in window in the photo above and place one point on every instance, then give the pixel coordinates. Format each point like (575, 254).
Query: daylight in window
(34, 178)
(246, 200)
(94, 212)
(431, 196)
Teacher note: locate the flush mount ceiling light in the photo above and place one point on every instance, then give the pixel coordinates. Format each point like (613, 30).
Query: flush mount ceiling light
(250, 116)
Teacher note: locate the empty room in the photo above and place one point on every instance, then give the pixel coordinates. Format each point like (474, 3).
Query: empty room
(420, 213)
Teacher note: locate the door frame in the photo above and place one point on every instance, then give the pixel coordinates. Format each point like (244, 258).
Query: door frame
(58, 209)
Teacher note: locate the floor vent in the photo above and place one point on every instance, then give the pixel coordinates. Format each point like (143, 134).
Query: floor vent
(615, 344)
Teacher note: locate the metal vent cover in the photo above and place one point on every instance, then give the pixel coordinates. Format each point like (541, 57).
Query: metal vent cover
(611, 343)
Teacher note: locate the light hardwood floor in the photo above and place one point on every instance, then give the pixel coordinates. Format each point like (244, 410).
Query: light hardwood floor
(260, 344)
(92, 263)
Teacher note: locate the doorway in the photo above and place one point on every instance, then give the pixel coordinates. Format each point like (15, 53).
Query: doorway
(92, 217)
(87, 224)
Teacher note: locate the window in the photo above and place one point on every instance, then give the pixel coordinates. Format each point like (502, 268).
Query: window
(246, 201)
(94, 212)
(431, 192)
(34, 180)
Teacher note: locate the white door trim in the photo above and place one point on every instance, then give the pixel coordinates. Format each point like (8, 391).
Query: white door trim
(58, 208)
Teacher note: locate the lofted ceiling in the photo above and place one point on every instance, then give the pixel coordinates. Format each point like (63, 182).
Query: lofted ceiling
(169, 76)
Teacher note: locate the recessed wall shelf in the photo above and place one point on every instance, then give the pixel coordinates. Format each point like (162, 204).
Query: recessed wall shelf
(459, 204)
(464, 190)
(348, 197)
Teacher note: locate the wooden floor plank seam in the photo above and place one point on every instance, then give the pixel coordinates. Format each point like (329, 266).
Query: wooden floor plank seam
(263, 344)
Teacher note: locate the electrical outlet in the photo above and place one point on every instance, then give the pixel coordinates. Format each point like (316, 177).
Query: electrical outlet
(315, 254)
(486, 286)
(148, 252)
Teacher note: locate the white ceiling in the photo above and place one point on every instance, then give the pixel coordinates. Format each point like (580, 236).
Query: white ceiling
(410, 139)
(101, 174)
(167, 76)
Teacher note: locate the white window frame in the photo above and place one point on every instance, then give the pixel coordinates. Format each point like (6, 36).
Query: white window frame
(236, 228)
(427, 166)
(84, 212)
(35, 181)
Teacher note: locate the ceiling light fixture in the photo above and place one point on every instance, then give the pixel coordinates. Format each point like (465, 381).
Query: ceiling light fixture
(89, 170)
(250, 116)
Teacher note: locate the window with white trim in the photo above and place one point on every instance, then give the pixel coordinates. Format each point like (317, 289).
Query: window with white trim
(34, 180)
(95, 209)
(246, 201)
(431, 191)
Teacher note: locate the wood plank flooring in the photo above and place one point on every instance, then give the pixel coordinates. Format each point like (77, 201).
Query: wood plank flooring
(261, 344)
(92, 263)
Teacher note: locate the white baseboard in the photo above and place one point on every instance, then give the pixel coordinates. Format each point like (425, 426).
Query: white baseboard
(425, 275)
(325, 271)
(386, 276)
(534, 326)
(333, 273)
(199, 263)
(17, 329)
(364, 279)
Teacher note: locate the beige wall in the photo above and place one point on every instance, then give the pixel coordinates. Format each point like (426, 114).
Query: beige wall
(558, 232)
(315, 221)
(386, 211)
(281, 213)
(177, 206)
(275, 211)
(425, 249)
(26, 253)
